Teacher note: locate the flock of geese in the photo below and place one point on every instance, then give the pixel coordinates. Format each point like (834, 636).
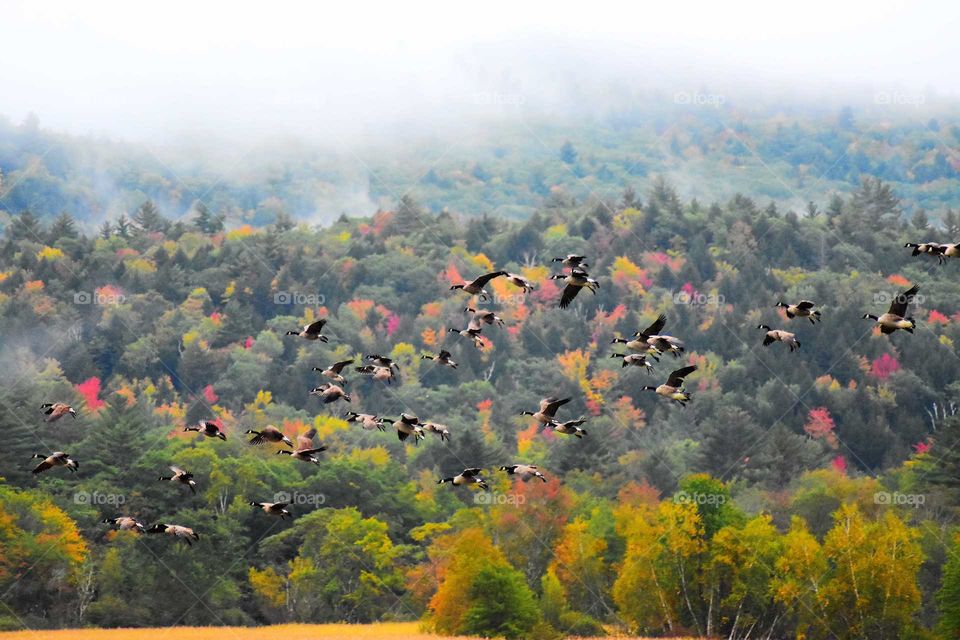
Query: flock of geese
(646, 345)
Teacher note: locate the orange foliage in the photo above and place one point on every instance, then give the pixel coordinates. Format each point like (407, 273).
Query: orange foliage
(360, 308)
(898, 280)
(429, 337)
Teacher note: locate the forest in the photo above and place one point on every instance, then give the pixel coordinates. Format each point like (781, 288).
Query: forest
(809, 493)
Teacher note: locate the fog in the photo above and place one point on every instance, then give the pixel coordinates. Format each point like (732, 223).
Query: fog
(362, 71)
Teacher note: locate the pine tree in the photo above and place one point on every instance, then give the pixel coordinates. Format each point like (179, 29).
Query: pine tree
(25, 227)
(106, 230)
(63, 226)
(148, 218)
(123, 226)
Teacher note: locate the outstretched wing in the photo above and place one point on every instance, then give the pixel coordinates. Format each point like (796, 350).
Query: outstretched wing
(337, 367)
(549, 406)
(676, 377)
(656, 327)
(569, 293)
(469, 473)
(305, 440)
(805, 304)
(482, 281)
(901, 302)
(316, 327)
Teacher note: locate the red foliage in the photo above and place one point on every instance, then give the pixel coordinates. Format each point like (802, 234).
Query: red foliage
(248, 342)
(936, 317)
(90, 390)
(839, 464)
(921, 448)
(393, 323)
(882, 367)
(209, 395)
(820, 426)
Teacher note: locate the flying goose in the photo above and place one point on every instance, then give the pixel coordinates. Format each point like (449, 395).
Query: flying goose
(366, 420)
(548, 409)
(182, 533)
(439, 429)
(273, 508)
(477, 286)
(329, 392)
(407, 425)
(779, 335)
(125, 523)
(56, 410)
(672, 388)
(467, 476)
(930, 248)
(525, 472)
(519, 281)
(382, 374)
(484, 316)
(803, 309)
(572, 261)
(181, 476)
(382, 361)
(311, 331)
(305, 450)
(55, 459)
(575, 280)
(208, 428)
(333, 371)
(635, 360)
(895, 318)
(472, 333)
(661, 342)
(570, 427)
(268, 434)
(638, 345)
(441, 358)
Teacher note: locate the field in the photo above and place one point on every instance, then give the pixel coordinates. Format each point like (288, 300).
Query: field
(382, 631)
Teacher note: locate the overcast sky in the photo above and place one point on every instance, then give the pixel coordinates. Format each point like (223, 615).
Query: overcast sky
(141, 70)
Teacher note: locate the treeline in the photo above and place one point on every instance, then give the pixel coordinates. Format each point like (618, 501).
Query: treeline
(810, 494)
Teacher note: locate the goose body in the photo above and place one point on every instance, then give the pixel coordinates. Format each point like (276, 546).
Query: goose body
(570, 427)
(548, 409)
(635, 360)
(368, 421)
(311, 331)
(476, 288)
(208, 428)
(56, 410)
(407, 425)
(895, 318)
(273, 508)
(179, 532)
(471, 333)
(305, 451)
(672, 389)
(662, 343)
(182, 477)
(330, 392)
(483, 316)
(55, 459)
(779, 335)
(575, 280)
(268, 434)
(125, 523)
(466, 477)
(378, 373)
(442, 358)
(334, 371)
(438, 429)
(519, 281)
(803, 309)
(572, 261)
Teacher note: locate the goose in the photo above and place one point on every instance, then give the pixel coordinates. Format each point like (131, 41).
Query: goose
(949, 250)
(382, 361)
(273, 508)
(638, 345)
(519, 281)
(484, 315)
(570, 427)
(439, 429)
(672, 388)
(779, 335)
(472, 333)
(930, 248)
(575, 280)
(635, 360)
(383, 374)
(182, 533)
(895, 318)
(329, 393)
(572, 261)
(467, 476)
(477, 286)
(55, 459)
(268, 434)
(661, 342)
(181, 476)
(209, 429)
(125, 523)
(441, 358)
(311, 331)
(333, 371)
(366, 420)
(56, 410)
(304, 450)
(525, 472)
(407, 425)
(803, 309)
(548, 409)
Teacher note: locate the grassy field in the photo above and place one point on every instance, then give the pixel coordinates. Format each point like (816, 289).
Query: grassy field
(382, 631)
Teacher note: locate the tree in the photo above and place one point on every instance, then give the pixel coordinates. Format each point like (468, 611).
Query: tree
(64, 226)
(205, 221)
(568, 154)
(149, 219)
(501, 604)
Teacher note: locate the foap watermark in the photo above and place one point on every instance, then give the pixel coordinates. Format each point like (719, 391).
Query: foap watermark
(299, 498)
(900, 98)
(97, 498)
(881, 298)
(695, 298)
(98, 297)
(497, 98)
(899, 499)
(699, 99)
(512, 300)
(298, 297)
(492, 498)
(686, 497)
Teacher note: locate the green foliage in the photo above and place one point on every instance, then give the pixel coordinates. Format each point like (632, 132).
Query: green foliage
(501, 604)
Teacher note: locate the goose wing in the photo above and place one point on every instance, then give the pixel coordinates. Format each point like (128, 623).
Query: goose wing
(676, 377)
(305, 440)
(656, 327)
(482, 281)
(471, 472)
(899, 305)
(805, 304)
(549, 406)
(337, 367)
(314, 328)
(569, 293)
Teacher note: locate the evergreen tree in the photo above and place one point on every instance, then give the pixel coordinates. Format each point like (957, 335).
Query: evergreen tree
(149, 219)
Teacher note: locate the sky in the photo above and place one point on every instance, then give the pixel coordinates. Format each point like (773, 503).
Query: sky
(146, 71)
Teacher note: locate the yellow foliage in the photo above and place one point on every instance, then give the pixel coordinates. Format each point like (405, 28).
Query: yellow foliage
(377, 456)
(49, 253)
(240, 232)
(141, 265)
(482, 261)
(267, 586)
